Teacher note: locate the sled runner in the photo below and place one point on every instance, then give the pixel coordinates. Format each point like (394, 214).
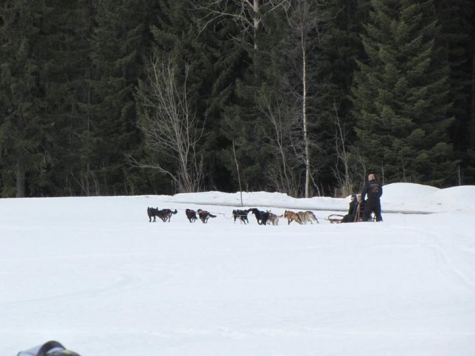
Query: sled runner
(335, 218)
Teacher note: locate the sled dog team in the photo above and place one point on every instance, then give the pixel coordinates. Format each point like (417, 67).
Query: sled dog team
(262, 217)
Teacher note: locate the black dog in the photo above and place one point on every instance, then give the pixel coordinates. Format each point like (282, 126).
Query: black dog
(191, 215)
(261, 216)
(241, 215)
(205, 215)
(152, 213)
(166, 214)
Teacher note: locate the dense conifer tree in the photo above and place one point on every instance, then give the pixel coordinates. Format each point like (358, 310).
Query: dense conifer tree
(344, 171)
(70, 26)
(70, 69)
(119, 44)
(243, 123)
(25, 128)
(227, 60)
(457, 18)
(400, 95)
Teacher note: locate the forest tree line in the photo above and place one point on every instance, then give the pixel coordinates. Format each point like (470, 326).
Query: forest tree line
(304, 97)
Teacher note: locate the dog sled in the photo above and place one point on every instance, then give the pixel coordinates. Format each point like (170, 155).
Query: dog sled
(335, 218)
(355, 212)
(338, 219)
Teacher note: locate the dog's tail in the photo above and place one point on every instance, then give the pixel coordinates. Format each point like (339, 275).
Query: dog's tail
(316, 219)
(212, 216)
(174, 212)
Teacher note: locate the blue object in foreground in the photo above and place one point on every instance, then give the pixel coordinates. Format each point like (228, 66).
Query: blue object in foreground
(50, 348)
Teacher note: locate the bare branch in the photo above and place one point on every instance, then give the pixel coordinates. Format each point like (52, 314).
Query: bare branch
(246, 13)
(170, 128)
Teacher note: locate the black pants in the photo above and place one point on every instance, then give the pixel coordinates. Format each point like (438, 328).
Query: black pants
(348, 218)
(372, 206)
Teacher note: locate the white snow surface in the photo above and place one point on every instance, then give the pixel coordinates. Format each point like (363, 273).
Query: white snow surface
(94, 274)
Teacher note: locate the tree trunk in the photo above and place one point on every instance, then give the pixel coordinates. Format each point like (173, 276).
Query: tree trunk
(304, 112)
(20, 179)
(472, 111)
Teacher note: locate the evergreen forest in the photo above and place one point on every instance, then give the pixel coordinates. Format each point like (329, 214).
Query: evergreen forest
(304, 97)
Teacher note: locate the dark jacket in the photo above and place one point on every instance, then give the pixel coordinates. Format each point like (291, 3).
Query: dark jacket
(372, 190)
(352, 210)
(353, 206)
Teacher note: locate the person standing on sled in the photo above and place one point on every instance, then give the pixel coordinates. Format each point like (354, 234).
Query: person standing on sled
(373, 191)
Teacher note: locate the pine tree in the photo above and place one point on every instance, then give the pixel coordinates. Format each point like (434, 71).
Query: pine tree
(341, 51)
(227, 63)
(24, 126)
(236, 41)
(67, 89)
(120, 42)
(457, 28)
(400, 95)
(247, 38)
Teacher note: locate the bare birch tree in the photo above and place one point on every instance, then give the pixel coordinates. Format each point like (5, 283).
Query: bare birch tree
(304, 20)
(282, 171)
(353, 164)
(170, 127)
(307, 23)
(343, 155)
(246, 13)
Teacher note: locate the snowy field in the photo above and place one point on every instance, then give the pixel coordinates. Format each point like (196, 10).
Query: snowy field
(95, 275)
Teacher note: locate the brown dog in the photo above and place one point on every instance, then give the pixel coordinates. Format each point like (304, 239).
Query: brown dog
(292, 216)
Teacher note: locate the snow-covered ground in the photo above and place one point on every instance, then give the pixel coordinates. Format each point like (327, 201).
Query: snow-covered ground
(95, 275)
